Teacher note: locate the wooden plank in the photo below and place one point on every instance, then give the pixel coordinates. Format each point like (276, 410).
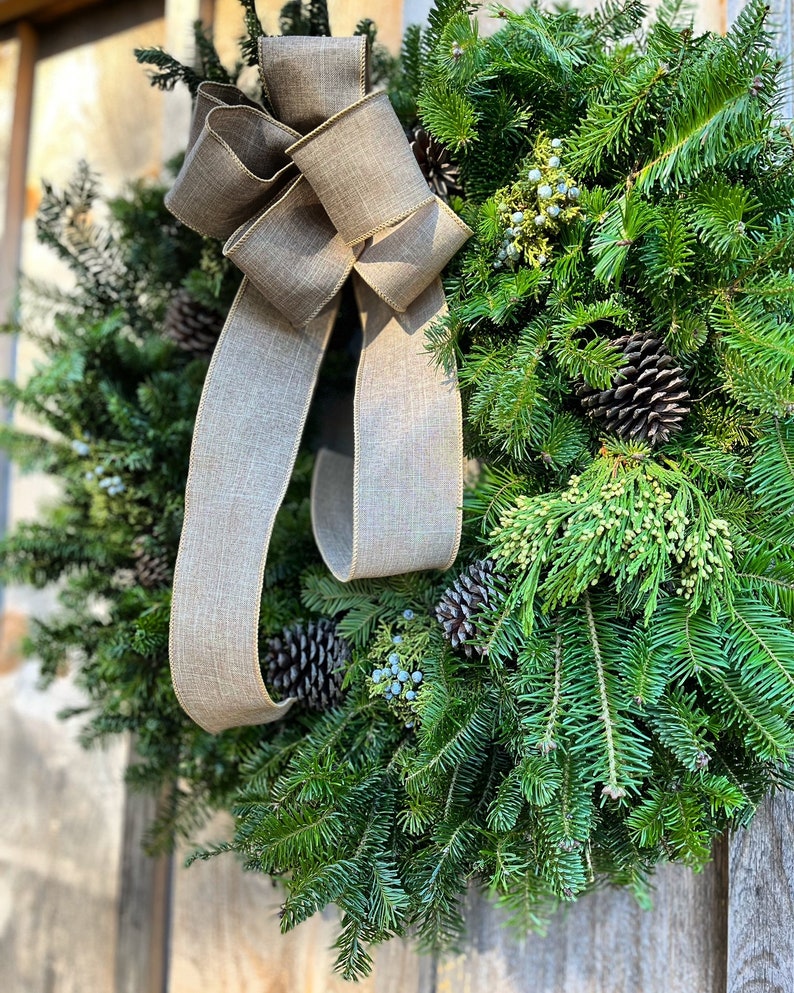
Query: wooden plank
(143, 901)
(782, 20)
(207, 12)
(59, 843)
(11, 242)
(400, 969)
(761, 890)
(64, 809)
(40, 10)
(761, 902)
(178, 109)
(16, 169)
(603, 944)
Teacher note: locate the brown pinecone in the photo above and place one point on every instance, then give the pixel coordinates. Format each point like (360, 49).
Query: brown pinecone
(649, 398)
(150, 570)
(308, 664)
(442, 175)
(191, 325)
(474, 591)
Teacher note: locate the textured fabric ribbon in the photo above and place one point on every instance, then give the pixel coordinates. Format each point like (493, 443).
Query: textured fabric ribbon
(325, 188)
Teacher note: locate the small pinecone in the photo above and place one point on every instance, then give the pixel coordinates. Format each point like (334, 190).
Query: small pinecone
(308, 664)
(471, 593)
(442, 175)
(650, 397)
(150, 570)
(191, 325)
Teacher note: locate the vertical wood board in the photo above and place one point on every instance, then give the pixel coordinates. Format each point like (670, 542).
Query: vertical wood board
(761, 902)
(143, 901)
(61, 836)
(59, 844)
(180, 16)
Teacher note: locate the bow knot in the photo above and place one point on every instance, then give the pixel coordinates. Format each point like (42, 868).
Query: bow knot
(299, 212)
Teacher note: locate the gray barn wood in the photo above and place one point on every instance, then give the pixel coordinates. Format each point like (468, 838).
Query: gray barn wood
(761, 902)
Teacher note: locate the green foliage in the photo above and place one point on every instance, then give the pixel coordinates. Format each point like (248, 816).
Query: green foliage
(249, 47)
(298, 17)
(169, 71)
(633, 693)
(626, 518)
(646, 637)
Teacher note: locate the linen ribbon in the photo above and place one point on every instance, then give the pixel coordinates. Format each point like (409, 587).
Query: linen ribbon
(324, 188)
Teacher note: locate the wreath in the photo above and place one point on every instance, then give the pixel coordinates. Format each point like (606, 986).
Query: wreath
(604, 680)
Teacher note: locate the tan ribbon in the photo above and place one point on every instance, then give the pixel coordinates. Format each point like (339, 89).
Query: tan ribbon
(328, 188)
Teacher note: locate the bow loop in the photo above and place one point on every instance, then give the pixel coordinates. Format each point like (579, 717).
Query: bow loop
(307, 83)
(367, 179)
(209, 96)
(402, 261)
(362, 169)
(236, 163)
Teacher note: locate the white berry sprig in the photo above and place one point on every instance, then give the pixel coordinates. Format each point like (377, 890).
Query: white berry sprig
(530, 213)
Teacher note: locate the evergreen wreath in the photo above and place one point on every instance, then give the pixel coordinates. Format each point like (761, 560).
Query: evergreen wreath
(605, 680)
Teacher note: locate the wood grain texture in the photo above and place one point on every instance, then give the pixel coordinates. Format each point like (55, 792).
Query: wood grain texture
(225, 938)
(18, 58)
(144, 885)
(400, 969)
(59, 844)
(16, 165)
(603, 944)
(761, 902)
(180, 15)
(782, 20)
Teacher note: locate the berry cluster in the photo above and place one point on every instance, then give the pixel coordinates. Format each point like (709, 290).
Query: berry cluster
(112, 484)
(534, 208)
(397, 681)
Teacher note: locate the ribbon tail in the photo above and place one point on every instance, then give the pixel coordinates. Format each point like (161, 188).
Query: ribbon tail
(395, 507)
(248, 429)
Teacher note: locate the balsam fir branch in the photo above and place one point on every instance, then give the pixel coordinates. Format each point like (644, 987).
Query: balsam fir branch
(249, 43)
(169, 71)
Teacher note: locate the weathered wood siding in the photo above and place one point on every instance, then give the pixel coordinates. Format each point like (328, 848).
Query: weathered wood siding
(761, 902)
(60, 841)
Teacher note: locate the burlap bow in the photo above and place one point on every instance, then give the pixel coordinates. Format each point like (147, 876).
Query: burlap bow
(328, 188)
